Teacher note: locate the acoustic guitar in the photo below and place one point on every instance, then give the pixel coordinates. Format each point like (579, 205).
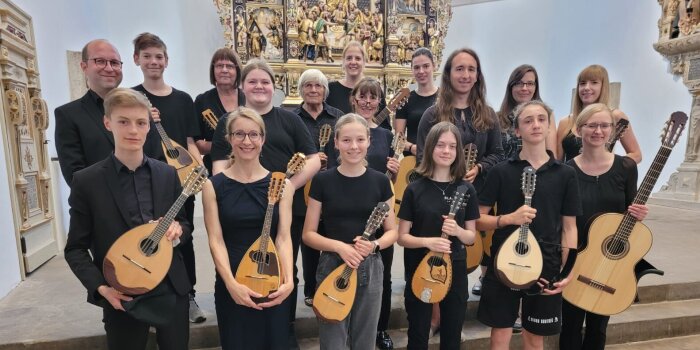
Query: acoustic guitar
(324, 136)
(405, 176)
(487, 240)
(336, 293)
(603, 279)
(175, 155)
(475, 251)
(518, 261)
(139, 260)
(433, 276)
(260, 269)
(210, 118)
(396, 102)
(620, 128)
(399, 143)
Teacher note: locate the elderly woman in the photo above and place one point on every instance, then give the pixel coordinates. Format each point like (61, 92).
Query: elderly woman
(314, 112)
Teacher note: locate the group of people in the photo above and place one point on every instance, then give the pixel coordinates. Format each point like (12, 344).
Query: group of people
(111, 156)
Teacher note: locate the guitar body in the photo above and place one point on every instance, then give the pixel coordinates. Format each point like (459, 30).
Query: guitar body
(433, 278)
(519, 266)
(182, 161)
(263, 277)
(406, 168)
(335, 295)
(605, 283)
(475, 253)
(128, 270)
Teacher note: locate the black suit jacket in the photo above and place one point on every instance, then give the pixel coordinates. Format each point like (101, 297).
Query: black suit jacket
(82, 139)
(98, 217)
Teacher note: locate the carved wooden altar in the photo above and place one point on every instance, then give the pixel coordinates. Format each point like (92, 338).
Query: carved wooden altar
(294, 35)
(24, 119)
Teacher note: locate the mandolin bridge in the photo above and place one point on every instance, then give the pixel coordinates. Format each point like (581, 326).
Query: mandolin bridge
(334, 299)
(595, 284)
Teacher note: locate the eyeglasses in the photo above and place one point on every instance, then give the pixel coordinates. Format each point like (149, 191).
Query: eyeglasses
(528, 84)
(602, 126)
(221, 66)
(102, 63)
(371, 99)
(239, 135)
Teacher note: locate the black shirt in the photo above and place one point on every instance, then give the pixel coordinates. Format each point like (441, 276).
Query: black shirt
(329, 115)
(136, 186)
(571, 144)
(379, 149)
(424, 204)
(210, 102)
(176, 114)
(98, 101)
(348, 201)
(488, 142)
(339, 97)
(556, 195)
(285, 134)
(611, 192)
(412, 112)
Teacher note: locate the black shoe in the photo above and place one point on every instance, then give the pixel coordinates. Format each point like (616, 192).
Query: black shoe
(384, 341)
(476, 290)
(309, 301)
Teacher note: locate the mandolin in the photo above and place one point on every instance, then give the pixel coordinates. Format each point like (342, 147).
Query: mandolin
(620, 128)
(260, 269)
(210, 118)
(603, 279)
(175, 155)
(295, 164)
(336, 293)
(324, 136)
(398, 144)
(519, 261)
(433, 276)
(396, 102)
(139, 260)
(475, 251)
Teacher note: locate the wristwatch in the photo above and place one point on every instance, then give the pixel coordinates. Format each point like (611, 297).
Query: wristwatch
(376, 247)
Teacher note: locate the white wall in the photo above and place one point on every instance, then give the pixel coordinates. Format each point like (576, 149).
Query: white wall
(560, 38)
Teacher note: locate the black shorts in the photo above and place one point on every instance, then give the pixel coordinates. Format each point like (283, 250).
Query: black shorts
(499, 306)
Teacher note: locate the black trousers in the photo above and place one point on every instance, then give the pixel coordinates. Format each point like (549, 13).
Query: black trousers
(296, 229)
(187, 248)
(126, 333)
(571, 336)
(387, 259)
(452, 312)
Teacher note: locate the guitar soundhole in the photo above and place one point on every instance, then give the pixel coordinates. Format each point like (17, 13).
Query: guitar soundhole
(148, 247)
(258, 257)
(412, 176)
(521, 248)
(615, 248)
(341, 283)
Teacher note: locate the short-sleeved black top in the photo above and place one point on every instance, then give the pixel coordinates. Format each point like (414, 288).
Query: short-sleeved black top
(379, 149)
(328, 116)
(285, 134)
(488, 142)
(424, 204)
(210, 100)
(176, 114)
(571, 144)
(412, 111)
(347, 202)
(611, 192)
(339, 97)
(556, 195)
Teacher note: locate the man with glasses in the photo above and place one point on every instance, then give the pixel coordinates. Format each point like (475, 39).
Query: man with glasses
(81, 137)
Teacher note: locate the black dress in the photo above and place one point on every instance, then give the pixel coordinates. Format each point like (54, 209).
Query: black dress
(242, 208)
(571, 144)
(412, 112)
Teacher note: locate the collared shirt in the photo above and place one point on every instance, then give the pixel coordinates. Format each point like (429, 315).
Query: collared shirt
(329, 115)
(137, 191)
(98, 101)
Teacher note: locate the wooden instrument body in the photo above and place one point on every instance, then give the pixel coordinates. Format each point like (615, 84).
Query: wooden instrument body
(403, 178)
(128, 270)
(180, 159)
(433, 278)
(336, 294)
(263, 277)
(475, 253)
(516, 266)
(604, 283)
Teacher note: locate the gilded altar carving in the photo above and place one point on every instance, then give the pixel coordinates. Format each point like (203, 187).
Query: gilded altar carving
(294, 35)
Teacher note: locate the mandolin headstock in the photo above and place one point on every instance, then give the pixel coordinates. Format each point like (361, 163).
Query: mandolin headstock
(470, 153)
(295, 164)
(529, 179)
(274, 192)
(195, 180)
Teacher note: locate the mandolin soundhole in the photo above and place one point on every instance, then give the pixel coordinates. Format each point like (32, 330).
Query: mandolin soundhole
(436, 261)
(615, 249)
(522, 248)
(148, 246)
(173, 153)
(258, 257)
(341, 283)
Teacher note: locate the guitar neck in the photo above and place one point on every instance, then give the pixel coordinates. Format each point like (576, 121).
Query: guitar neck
(381, 117)
(164, 137)
(450, 216)
(524, 228)
(164, 224)
(265, 235)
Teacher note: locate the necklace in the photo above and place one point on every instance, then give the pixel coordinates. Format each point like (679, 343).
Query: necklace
(441, 189)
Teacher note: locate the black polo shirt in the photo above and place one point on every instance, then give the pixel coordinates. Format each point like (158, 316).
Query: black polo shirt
(329, 115)
(556, 195)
